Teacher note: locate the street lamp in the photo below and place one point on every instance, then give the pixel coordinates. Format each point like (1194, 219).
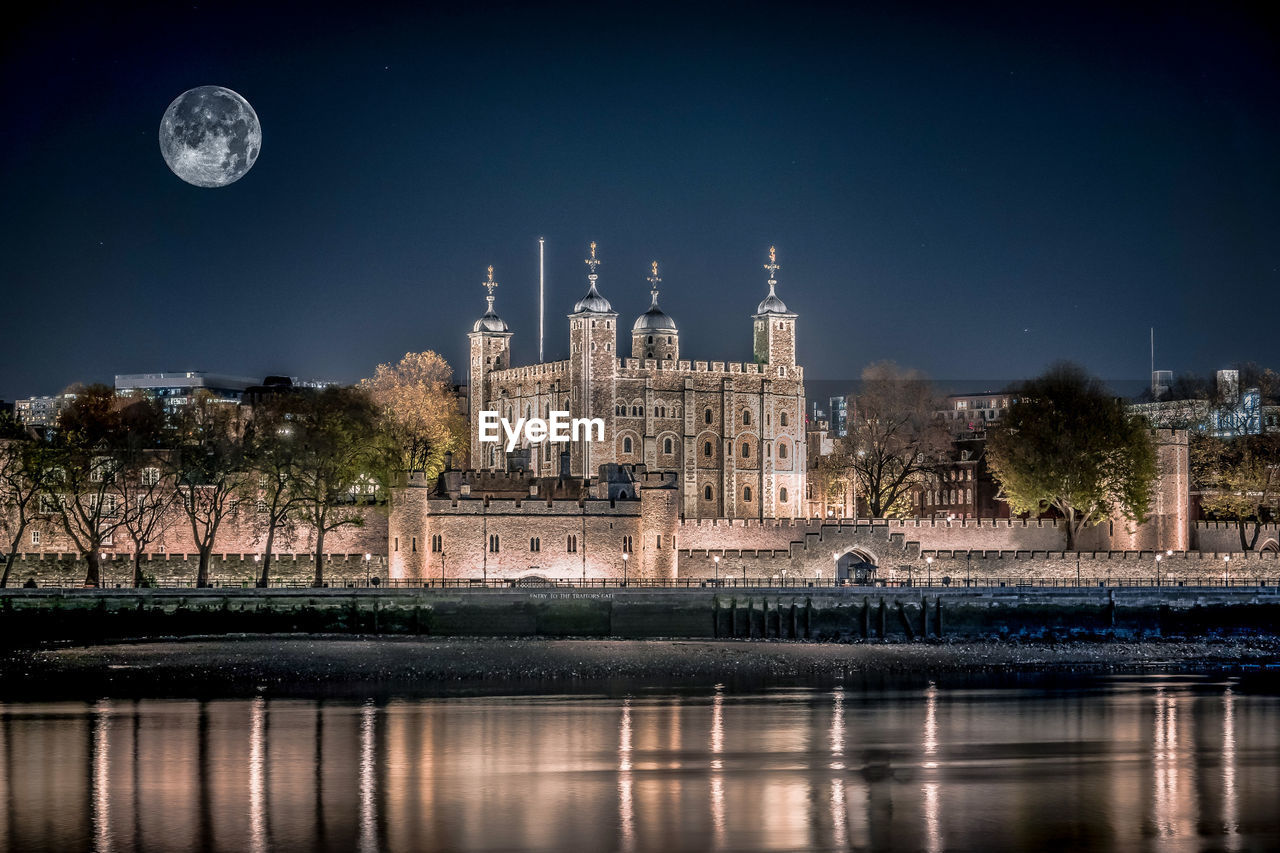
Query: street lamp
(1159, 557)
(928, 571)
(717, 559)
(817, 575)
(367, 558)
(784, 577)
(1226, 569)
(625, 557)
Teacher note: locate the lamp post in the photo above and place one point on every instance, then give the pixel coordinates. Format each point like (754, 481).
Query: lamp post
(817, 576)
(1226, 569)
(717, 561)
(625, 557)
(367, 558)
(928, 571)
(1158, 558)
(784, 577)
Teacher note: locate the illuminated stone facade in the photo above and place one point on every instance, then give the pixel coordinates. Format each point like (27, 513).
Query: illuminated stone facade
(732, 433)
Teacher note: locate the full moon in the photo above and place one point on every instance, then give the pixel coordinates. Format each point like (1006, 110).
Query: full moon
(210, 136)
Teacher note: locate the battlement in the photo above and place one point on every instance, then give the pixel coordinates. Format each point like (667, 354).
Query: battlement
(533, 506)
(545, 370)
(769, 371)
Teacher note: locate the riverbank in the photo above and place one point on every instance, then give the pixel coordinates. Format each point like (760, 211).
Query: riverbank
(349, 664)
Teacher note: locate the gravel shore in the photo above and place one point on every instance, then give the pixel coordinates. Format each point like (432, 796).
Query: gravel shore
(346, 664)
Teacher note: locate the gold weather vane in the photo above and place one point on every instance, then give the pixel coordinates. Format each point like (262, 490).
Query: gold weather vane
(772, 266)
(653, 275)
(490, 284)
(592, 261)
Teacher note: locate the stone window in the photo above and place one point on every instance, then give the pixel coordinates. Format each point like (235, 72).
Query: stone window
(782, 450)
(669, 339)
(746, 450)
(707, 416)
(495, 544)
(35, 537)
(746, 494)
(626, 444)
(572, 544)
(651, 339)
(659, 542)
(535, 545)
(707, 493)
(437, 543)
(782, 418)
(151, 476)
(413, 544)
(706, 448)
(626, 544)
(782, 494)
(666, 445)
(746, 417)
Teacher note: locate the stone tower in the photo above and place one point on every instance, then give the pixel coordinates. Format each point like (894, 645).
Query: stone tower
(774, 325)
(490, 351)
(654, 334)
(593, 372)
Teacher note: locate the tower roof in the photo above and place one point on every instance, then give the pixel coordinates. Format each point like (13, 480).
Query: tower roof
(490, 321)
(655, 319)
(771, 304)
(593, 302)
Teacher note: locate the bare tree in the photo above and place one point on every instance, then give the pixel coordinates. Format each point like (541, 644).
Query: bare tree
(343, 461)
(24, 473)
(895, 437)
(208, 467)
(146, 504)
(273, 463)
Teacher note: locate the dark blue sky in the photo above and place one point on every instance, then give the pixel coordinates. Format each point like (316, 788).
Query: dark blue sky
(971, 190)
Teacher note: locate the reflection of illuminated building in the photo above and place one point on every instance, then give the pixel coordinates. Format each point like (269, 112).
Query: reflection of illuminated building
(924, 770)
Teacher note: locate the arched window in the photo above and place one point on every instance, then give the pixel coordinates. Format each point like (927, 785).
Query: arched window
(668, 341)
(783, 418)
(535, 544)
(626, 444)
(782, 450)
(746, 417)
(782, 494)
(746, 493)
(494, 543)
(651, 339)
(706, 416)
(706, 448)
(666, 445)
(706, 493)
(746, 450)
(572, 543)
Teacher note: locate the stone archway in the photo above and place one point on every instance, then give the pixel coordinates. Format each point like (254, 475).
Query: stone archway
(855, 566)
(1270, 545)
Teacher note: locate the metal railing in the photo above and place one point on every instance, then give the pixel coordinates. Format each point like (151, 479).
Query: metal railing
(480, 584)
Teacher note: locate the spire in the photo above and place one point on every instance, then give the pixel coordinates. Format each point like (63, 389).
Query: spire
(593, 302)
(772, 304)
(489, 286)
(654, 319)
(654, 281)
(490, 322)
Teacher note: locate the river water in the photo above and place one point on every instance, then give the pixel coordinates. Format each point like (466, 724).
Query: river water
(1117, 763)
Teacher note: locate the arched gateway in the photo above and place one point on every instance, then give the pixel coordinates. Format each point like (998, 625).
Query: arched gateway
(856, 566)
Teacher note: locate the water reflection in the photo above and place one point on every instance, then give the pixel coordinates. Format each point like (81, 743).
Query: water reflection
(1177, 763)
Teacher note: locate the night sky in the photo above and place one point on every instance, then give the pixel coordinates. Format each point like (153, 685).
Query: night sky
(973, 191)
